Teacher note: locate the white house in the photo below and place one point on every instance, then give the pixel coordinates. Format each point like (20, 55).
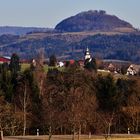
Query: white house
(133, 69)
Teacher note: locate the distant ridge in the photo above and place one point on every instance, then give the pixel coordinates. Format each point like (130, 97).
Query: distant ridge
(93, 21)
(107, 37)
(15, 30)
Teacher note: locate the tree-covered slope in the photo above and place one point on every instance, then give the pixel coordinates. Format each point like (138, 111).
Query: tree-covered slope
(123, 47)
(92, 21)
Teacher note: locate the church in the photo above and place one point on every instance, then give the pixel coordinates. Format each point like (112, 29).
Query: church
(87, 54)
(89, 62)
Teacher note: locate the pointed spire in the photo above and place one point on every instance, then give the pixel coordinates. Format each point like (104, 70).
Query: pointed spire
(87, 50)
(87, 54)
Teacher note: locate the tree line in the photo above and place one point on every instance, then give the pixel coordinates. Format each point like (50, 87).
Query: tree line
(68, 101)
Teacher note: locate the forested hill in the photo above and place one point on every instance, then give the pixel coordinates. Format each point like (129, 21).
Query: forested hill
(93, 21)
(107, 36)
(84, 21)
(122, 47)
(8, 39)
(65, 46)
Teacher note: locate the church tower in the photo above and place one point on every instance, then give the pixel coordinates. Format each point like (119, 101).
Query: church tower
(87, 54)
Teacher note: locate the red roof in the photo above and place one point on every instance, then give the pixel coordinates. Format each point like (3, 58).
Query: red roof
(72, 61)
(2, 59)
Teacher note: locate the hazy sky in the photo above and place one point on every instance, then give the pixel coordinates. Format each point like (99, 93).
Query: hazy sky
(47, 13)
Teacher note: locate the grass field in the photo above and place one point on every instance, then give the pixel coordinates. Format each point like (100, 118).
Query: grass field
(24, 66)
(82, 137)
(46, 67)
(100, 72)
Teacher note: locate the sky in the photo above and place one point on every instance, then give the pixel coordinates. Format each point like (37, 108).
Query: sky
(47, 13)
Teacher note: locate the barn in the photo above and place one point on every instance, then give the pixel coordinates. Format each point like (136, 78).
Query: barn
(4, 59)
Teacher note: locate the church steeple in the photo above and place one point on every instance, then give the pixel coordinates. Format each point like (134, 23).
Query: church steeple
(87, 54)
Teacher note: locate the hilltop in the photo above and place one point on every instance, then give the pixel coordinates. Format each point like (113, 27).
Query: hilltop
(93, 21)
(121, 40)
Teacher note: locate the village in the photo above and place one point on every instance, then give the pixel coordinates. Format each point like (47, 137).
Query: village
(55, 93)
(105, 65)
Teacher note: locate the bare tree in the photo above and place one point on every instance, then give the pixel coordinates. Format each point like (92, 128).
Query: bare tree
(10, 123)
(24, 110)
(39, 73)
(22, 100)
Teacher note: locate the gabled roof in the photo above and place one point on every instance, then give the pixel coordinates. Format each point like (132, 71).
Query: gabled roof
(3, 59)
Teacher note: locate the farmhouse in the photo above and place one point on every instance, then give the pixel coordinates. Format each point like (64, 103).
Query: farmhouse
(133, 69)
(4, 59)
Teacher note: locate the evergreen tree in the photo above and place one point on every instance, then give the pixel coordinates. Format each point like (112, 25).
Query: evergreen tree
(5, 82)
(14, 64)
(53, 60)
(106, 93)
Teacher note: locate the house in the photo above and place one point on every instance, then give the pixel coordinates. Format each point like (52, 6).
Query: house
(60, 64)
(81, 63)
(4, 59)
(133, 70)
(111, 68)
